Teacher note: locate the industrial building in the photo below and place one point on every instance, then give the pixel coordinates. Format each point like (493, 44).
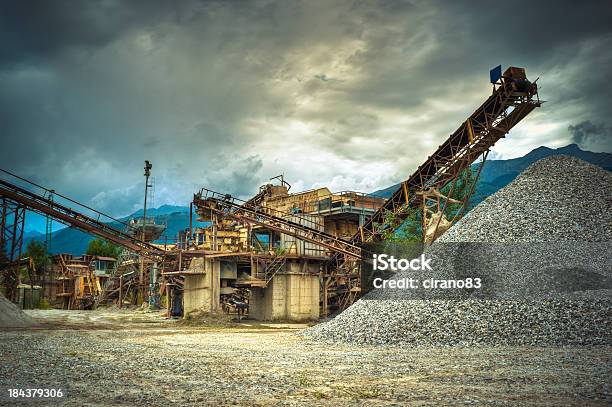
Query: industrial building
(281, 272)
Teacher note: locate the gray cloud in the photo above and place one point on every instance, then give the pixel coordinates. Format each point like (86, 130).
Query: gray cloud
(586, 133)
(348, 94)
(35, 31)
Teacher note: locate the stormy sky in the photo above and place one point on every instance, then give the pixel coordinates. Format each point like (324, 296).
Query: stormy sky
(346, 94)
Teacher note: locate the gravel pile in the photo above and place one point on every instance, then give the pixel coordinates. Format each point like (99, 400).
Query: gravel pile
(541, 247)
(12, 317)
(471, 322)
(558, 198)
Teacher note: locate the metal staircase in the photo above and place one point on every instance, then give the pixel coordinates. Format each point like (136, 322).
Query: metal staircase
(276, 265)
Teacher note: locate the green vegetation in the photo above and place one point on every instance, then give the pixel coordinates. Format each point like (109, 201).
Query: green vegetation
(280, 251)
(460, 192)
(101, 247)
(37, 251)
(410, 229)
(40, 260)
(44, 304)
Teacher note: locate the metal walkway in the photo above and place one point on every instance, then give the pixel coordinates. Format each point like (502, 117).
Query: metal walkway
(45, 205)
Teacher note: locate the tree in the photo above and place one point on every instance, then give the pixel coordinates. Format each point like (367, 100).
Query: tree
(410, 229)
(462, 189)
(39, 261)
(37, 251)
(101, 247)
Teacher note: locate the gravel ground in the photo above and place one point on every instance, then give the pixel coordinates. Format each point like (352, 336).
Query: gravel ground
(136, 359)
(471, 323)
(541, 249)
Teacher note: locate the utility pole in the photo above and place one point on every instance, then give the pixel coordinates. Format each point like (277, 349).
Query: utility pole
(147, 174)
(49, 225)
(48, 237)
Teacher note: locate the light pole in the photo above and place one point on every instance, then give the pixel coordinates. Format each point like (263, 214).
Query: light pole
(147, 168)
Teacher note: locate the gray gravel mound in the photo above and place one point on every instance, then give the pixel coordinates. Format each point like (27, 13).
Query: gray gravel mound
(559, 198)
(13, 317)
(541, 246)
(471, 322)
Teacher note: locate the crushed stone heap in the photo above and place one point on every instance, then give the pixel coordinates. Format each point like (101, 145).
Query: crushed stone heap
(559, 198)
(541, 246)
(12, 317)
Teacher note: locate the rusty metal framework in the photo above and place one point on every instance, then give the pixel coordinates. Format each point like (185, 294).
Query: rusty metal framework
(12, 220)
(16, 200)
(79, 287)
(434, 205)
(46, 206)
(264, 191)
(507, 106)
(513, 98)
(226, 206)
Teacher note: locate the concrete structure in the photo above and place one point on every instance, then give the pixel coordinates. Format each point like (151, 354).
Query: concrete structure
(207, 282)
(277, 272)
(201, 290)
(288, 297)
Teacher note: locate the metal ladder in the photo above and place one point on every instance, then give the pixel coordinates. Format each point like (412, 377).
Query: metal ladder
(274, 267)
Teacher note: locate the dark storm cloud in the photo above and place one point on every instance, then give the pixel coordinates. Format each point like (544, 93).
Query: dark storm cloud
(349, 94)
(36, 30)
(586, 133)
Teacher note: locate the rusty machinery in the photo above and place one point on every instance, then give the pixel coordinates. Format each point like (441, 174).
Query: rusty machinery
(228, 206)
(12, 219)
(46, 206)
(14, 201)
(513, 98)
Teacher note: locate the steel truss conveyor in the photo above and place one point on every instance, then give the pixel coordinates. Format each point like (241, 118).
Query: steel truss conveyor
(45, 205)
(513, 98)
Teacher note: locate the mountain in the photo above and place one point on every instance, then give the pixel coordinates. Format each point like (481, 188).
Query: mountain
(498, 168)
(33, 234)
(162, 210)
(496, 174)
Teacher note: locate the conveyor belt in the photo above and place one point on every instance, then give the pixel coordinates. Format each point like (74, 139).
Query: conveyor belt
(73, 218)
(225, 205)
(490, 122)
